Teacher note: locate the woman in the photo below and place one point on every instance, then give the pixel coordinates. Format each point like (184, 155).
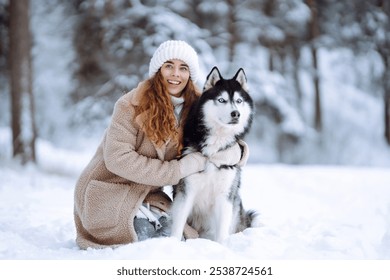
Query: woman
(119, 197)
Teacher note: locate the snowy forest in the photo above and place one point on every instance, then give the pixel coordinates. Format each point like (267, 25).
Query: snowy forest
(319, 74)
(318, 70)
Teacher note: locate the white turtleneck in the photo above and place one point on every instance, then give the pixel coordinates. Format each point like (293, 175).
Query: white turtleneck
(177, 103)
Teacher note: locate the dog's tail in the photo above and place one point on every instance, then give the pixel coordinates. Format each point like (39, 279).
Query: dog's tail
(253, 218)
(249, 219)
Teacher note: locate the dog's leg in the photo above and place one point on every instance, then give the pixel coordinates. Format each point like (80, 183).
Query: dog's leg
(181, 208)
(223, 218)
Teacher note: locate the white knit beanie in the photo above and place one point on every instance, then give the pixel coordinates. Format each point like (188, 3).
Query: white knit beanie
(175, 50)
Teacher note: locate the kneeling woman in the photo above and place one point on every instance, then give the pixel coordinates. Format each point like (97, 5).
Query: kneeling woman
(119, 197)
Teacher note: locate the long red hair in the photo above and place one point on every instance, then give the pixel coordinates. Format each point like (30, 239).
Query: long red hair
(161, 124)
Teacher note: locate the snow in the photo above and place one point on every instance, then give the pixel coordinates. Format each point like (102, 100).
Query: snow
(307, 212)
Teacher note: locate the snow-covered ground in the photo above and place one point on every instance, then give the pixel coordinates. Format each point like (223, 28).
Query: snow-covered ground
(307, 212)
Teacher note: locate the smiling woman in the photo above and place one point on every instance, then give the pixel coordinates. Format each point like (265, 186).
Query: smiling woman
(176, 74)
(119, 197)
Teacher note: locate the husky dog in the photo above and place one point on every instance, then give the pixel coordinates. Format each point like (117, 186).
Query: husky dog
(210, 201)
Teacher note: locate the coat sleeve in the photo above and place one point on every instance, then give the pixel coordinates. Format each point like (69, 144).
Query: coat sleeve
(122, 159)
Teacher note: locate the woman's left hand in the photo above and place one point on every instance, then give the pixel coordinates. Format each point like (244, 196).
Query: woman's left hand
(230, 156)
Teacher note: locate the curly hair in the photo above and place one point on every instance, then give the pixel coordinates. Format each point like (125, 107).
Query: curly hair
(161, 124)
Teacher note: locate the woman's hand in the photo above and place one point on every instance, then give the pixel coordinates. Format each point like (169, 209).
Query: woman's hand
(192, 163)
(230, 156)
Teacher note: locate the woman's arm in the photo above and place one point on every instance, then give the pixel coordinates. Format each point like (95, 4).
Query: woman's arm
(122, 159)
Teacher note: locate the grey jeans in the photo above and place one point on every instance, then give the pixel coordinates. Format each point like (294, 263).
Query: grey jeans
(146, 230)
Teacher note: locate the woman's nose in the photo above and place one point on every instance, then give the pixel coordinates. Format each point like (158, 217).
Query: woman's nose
(175, 72)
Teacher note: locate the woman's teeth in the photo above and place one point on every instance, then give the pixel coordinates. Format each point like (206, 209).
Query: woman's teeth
(173, 82)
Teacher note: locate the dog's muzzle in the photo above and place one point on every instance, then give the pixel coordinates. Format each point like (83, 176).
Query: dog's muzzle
(235, 115)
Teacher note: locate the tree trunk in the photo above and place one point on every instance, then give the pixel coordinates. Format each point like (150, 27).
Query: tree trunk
(384, 51)
(313, 34)
(22, 105)
(295, 57)
(386, 93)
(387, 117)
(317, 98)
(232, 30)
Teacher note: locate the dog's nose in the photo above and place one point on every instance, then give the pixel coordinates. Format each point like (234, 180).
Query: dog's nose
(235, 114)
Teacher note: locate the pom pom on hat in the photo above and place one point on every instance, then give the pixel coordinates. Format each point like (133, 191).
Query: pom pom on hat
(175, 50)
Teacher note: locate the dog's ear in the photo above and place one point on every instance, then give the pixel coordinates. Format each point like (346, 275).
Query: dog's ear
(212, 78)
(241, 78)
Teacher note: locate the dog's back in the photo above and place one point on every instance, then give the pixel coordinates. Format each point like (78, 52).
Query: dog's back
(210, 200)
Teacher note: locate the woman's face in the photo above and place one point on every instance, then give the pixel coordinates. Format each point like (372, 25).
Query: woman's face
(175, 75)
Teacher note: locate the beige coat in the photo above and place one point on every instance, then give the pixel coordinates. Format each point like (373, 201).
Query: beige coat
(126, 169)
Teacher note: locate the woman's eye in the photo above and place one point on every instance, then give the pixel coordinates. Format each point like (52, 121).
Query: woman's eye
(185, 69)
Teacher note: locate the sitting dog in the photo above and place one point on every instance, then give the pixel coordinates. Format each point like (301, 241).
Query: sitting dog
(210, 201)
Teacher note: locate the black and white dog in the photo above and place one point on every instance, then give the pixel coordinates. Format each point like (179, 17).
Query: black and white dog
(210, 201)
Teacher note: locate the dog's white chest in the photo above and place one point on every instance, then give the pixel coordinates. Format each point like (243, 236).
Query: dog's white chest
(211, 182)
(210, 191)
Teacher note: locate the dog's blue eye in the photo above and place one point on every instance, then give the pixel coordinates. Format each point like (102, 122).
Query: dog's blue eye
(239, 100)
(221, 100)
